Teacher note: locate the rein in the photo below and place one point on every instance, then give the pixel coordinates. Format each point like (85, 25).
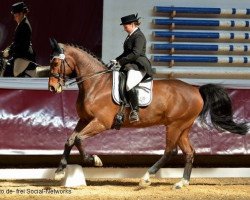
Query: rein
(89, 76)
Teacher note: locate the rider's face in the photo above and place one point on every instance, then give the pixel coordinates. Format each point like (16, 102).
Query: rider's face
(18, 17)
(129, 27)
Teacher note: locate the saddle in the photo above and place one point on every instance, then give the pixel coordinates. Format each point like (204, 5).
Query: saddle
(23, 67)
(119, 90)
(119, 95)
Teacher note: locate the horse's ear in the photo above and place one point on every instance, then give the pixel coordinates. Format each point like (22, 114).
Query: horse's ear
(55, 42)
(51, 41)
(55, 46)
(58, 48)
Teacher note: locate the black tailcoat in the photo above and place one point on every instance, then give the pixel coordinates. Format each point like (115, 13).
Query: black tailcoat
(21, 46)
(135, 52)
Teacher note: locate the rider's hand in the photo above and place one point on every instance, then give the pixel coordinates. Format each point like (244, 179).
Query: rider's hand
(114, 62)
(114, 65)
(6, 53)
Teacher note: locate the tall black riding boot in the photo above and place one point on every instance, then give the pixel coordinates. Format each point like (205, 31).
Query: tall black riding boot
(133, 99)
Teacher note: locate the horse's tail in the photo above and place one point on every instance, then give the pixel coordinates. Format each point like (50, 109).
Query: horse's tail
(218, 103)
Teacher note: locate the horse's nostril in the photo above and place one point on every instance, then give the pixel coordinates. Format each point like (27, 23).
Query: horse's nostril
(51, 89)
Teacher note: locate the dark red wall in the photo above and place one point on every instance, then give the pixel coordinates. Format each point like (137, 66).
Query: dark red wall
(69, 21)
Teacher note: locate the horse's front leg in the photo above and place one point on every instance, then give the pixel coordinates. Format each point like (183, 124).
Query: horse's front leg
(92, 160)
(94, 127)
(60, 172)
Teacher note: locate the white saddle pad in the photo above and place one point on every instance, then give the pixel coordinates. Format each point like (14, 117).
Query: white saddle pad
(144, 94)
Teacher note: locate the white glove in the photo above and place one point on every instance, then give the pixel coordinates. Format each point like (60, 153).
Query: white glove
(115, 65)
(114, 62)
(6, 52)
(111, 63)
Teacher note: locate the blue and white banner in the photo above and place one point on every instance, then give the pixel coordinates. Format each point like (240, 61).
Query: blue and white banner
(202, 47)
(205, 59)
(203, 35)
(198, 22)
(202, 10)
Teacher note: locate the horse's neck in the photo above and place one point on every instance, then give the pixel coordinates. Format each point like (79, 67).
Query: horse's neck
(87, 64)
(87, 68)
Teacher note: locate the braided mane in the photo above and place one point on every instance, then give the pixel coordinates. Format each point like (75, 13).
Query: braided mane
(81, 48)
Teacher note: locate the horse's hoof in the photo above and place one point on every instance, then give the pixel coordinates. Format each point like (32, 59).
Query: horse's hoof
(145, 180)
(59, 175)
(176, 187)
(97, 161)
(181, 184)
(144, 183)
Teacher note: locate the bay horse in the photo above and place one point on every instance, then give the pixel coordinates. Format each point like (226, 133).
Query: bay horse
(175, 104)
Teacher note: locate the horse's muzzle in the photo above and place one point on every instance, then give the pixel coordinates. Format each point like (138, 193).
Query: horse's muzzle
(55, 89)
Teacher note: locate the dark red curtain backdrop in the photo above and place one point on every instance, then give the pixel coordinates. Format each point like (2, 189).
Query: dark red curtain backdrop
(40, 120)
(76, 22)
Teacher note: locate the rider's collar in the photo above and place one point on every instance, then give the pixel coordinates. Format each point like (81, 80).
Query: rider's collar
(133, 31)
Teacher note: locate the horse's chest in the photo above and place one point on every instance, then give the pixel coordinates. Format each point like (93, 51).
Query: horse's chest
(84, 108)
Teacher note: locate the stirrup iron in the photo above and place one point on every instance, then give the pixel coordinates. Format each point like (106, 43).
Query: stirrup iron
(134, 116)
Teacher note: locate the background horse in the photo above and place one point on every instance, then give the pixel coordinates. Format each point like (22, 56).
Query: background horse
(39, 71)
(175, 104)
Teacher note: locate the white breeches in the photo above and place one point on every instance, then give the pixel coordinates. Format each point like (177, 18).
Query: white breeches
(134, 77)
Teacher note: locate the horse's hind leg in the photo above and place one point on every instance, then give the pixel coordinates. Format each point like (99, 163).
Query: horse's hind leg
(188, 152)
(171, 142)
(145, 181)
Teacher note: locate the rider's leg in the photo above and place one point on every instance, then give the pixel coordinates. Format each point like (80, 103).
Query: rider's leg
(134, 77)
(134, 104)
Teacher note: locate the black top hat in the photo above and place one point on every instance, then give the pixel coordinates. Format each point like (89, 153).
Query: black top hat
(19, 7)
(129, 19)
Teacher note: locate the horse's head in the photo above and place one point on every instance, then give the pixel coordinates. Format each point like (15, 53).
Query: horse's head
(60, 68)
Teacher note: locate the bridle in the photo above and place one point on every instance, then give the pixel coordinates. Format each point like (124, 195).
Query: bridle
(61, 76)
(65, 81)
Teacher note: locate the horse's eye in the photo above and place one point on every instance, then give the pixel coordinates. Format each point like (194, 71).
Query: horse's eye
(52, 64)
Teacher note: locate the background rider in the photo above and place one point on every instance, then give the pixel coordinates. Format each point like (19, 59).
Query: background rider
(21, 47)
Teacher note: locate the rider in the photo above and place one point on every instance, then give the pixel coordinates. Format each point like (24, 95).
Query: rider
(134, 61)
(21, 47)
